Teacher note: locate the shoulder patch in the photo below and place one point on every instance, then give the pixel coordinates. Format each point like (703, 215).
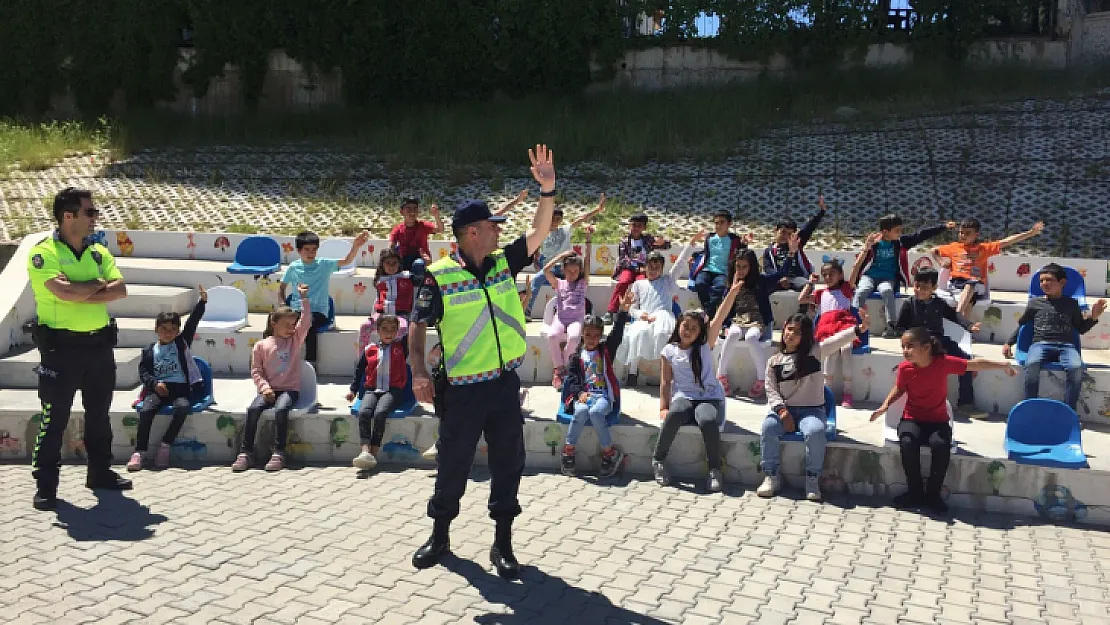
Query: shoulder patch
(97, 257)
(38, 261)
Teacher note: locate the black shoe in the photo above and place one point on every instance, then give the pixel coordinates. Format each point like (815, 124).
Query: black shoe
(632, 380)
(429, 554)
(908, 500)
(106, 480)
(890, 333)
(568, 462)
(504, 561)
(936, 504)
(611, 463)
(45, 501)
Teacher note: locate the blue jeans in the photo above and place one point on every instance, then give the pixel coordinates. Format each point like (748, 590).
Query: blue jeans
(595, 414)
(967, 390)
(1069, 359)
(710, 288)
(538, 282)
(811, 423)
(887, 292)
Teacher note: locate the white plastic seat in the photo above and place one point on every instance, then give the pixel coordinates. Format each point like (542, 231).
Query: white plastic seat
(306, 401)
(226, 310)
(894, 417)
(337, 250)
(950, 298)
(549, 312)
(958, 335)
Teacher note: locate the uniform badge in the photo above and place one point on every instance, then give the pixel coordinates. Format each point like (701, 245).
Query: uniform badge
(37, 261)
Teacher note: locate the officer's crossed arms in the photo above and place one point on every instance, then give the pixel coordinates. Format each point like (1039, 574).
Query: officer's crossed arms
(92, 291)
(481, 240)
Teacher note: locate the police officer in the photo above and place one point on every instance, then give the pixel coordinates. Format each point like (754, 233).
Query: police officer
(73, 278)
(471, 298)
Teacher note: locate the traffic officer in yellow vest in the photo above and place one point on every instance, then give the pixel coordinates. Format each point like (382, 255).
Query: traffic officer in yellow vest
(73, 279)
(471, 299)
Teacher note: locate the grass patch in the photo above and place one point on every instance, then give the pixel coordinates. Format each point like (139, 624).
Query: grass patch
(38, 146)
(243, 229)
(619, 128)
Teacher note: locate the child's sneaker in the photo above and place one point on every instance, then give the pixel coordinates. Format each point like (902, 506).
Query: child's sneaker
(846, 400)
(756, 391)
(716, 481)
(769, 487)
(242, 462)
(611, 462)
(276, 463)
(136, 462)
(365, 461)
(557, 378)
(162, 458)
(430, 453)
(813, 488)
(662, 476)
(568, 460)
(723, 379)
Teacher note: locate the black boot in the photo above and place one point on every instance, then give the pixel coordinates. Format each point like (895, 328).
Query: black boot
(429, 554)
(45, 499)
(106, 479)
(501, 553)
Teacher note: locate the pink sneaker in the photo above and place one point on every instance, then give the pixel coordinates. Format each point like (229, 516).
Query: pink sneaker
(846, 400)
(242, 463)
(162, 459)
(723, 379)
(136, 462)
(276, 463)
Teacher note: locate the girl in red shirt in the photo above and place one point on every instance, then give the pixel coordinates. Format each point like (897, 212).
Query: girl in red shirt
(923, 379)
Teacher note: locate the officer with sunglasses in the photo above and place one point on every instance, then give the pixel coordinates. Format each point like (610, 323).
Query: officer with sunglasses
(73, 278)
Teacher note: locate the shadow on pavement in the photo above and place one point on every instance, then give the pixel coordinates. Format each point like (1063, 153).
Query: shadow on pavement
(114, 517)
(539, 598)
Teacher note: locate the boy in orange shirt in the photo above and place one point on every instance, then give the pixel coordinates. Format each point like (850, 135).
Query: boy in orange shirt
(969, 259)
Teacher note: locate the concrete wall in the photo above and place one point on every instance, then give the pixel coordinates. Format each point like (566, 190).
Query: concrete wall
(1094, 42)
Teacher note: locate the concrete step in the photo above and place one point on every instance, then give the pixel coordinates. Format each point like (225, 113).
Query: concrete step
(858, 462)
(17, 368)
(148, 300)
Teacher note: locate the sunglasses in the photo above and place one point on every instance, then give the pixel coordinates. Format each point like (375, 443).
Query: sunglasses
(88, 212)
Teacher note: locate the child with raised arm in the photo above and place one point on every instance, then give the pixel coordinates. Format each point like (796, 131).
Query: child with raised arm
(570, 307)
(410, 237)
(276, 370)
(796, 394)
(688, 392)
(750, 311)
(556, 243)
(632, 259)
(774, 257)
(834, 314)
(381, 376)
(1055, 320)
(592, 389)
(169, 376)
(395, 289)
(316, 274)
(969, 260)
(884, 265)
(923, 379)
(652, 311)
(711, 273)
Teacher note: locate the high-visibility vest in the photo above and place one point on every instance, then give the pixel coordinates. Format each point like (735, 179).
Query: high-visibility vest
(482, 329)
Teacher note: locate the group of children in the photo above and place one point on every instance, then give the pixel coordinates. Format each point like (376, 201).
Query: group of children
(735, 295)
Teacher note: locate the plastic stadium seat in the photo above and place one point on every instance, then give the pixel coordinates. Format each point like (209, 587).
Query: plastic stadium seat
(306, 401)
(830, 420)
(226, 310)
(408, 401)
(1025, 340)
(950, 298)
(1075, 287)
(256, 255)
(894, 417)
(337, 250)
(200, 400)
(959, 335)
(1044, 432)
(565, 416)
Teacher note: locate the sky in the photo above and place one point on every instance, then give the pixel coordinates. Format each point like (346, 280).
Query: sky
(708, 24)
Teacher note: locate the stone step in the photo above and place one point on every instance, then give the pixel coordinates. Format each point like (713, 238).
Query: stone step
(148, 300)
(17, 368)
(858, 461)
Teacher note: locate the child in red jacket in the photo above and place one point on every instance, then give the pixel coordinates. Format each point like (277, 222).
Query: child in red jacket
(382, 375)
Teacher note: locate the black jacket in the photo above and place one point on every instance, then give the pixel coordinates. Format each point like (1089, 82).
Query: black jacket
(184, 341)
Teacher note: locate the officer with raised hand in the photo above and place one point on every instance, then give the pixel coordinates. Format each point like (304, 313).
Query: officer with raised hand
(73, 279)
(471, 299)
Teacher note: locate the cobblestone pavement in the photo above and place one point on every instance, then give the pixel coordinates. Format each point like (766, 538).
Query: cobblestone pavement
(317, 545)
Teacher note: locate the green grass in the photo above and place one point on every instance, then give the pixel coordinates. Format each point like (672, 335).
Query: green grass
(39, 146)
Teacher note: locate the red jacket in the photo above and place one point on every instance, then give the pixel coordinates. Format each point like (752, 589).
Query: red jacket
(366, 372)
(396, 288)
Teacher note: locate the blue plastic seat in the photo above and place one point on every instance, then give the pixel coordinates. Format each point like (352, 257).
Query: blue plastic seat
(1044, 432)
(695, 259)
(199, 400)
(564, 416)
(331, 313)
(1075, 287)
(830, 420)
(864, 339)
(256, 255)
(1025, 340)
(408, 400)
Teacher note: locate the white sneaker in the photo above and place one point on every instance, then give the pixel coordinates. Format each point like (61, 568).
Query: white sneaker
(365, 461)
(431, 453)
(662, 476)
(769, 487)
(716, 481)
(813, 488)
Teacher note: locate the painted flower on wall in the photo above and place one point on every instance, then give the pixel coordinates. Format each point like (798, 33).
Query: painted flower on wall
(360, 289)
(553, 436)
(221, 243)
(225, 423)
(1023, 270)
(191, 245)
(996, 474)
(230, 342)
(991, 268)
(340, 431)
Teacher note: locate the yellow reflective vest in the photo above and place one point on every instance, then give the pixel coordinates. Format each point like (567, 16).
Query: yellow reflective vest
(482, 329)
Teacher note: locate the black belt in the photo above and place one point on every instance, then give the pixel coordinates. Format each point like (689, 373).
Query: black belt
(48, 338)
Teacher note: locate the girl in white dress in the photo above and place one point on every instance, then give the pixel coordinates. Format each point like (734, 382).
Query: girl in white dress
(651, 313)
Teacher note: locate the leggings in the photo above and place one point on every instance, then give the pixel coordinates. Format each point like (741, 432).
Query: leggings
(178, 397)
(753, 337)
(556, 332)
(844, 355)
(283, 403)
(702, 413)
(938, 436)
(376, 406)
(319, 321)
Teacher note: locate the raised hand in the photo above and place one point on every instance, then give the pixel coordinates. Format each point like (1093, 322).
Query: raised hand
(589, 231)
(951, 225)
(601, 202)
(699, 237)
(626, 300)
(203, 292)
(523, 195)
(872, 239)
(659, 241)
(302, 290)
(1037, 228)
(795, 243)
(543, 166)
(435, 209)
(361, 238)
(821, 201)
(1098, 308)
